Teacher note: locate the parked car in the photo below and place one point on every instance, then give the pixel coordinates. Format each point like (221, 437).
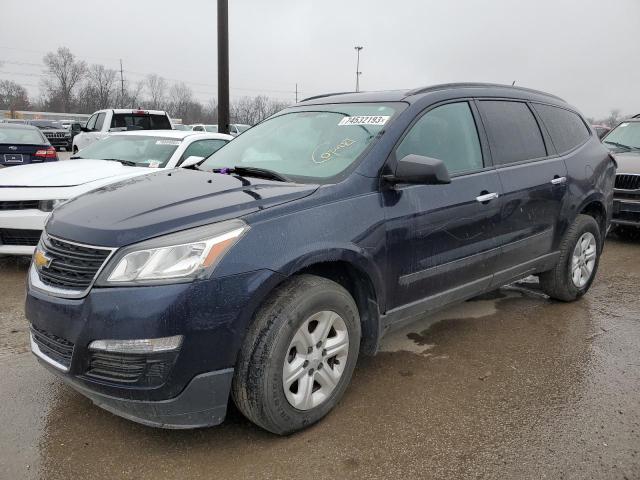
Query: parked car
(58, 136)
(236, 129)
(24, 144)
(30, 193)
(102, 122)
(624, 143)
(184, 128)
(294, 248)
(601, 130)
(200, 127)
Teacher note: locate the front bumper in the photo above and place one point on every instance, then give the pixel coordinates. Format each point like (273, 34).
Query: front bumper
(626, 212)
(203, 402)
(212, 316)
(30, 221)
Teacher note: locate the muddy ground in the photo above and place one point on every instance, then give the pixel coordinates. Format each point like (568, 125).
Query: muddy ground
(511, 385)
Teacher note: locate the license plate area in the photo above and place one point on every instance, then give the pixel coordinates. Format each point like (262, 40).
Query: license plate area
(13, 158)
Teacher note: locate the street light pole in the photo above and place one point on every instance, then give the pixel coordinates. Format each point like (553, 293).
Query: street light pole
(223, 66)
(358, 72)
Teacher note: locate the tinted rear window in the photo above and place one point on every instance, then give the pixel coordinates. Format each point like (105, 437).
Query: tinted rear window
(513, 131)
(131, 121)
(567, 129)
(24, 136)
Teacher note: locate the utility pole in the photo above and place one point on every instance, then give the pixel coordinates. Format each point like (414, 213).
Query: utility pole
(121, 85)
(358, 72)
(223, 66)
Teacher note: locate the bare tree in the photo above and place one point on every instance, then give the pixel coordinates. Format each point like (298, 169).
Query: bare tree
(64, 73)
(182, 104)
(103, 84)
(252, 110)
(613, 118)
(157, 89)
(13, 97)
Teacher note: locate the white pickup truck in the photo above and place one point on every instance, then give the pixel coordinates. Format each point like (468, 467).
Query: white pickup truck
(102, 122)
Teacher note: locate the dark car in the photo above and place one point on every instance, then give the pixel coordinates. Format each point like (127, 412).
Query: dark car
(57, 135)
(294, 248)
(624, 143)
(23, 144)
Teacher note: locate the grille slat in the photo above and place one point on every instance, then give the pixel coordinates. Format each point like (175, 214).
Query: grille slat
(627, 182)
(127, 368)
(72, 266)
(54, 347)
(19, 205)
(14, 236)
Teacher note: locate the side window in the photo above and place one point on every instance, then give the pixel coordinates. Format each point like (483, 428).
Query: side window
(567, 129)
(447, 133)
(202, 148)
(91, 122)
(198, 128)
(514, 133)
(100, 121)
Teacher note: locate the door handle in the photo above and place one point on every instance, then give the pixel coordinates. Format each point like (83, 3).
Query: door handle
(487, 197)
(559, 180)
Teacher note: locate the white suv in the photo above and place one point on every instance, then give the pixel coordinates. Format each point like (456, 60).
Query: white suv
(101, 123)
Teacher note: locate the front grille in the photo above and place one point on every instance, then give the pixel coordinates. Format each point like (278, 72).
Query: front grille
(54, 347)
(129, 369)
(19, 204)
(627, 182)
(55, 135)
(24, 238)
(72, 266)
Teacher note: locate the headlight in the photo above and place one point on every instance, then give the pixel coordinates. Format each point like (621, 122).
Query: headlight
(180, 256)
(49, 205)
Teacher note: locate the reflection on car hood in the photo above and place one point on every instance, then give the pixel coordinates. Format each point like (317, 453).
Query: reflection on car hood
(66, 173)
(144, 207)
(628, 162)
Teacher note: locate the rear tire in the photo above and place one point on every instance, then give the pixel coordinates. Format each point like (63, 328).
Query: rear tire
(580, 252)
(286, 342)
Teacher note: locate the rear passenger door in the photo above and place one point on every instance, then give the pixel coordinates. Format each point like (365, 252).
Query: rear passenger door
(534, 186)
(440, 238)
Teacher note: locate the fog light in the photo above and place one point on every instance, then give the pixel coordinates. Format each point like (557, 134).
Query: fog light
(144, 345)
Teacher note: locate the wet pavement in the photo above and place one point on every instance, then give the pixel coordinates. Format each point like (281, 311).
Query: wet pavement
(510, 385)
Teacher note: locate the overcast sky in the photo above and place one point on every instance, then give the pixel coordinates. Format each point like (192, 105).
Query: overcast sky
(585, 51)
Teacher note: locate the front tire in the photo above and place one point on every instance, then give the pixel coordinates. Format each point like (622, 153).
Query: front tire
(298, 356)
(580, 252)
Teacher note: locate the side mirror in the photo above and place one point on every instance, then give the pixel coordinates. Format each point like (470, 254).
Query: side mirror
(191, 161)
(419, 169)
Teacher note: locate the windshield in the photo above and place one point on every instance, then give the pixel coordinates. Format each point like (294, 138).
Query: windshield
(143, 150)
(316, 143)
(21, 136)
(625, 136)
(211, 128)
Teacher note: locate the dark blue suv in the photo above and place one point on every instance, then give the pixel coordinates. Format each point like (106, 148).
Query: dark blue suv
(263, 273)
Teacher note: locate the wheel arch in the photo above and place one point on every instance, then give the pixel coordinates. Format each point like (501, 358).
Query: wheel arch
(594, 206)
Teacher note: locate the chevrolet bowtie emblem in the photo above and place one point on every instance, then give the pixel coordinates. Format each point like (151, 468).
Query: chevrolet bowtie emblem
(41, 260)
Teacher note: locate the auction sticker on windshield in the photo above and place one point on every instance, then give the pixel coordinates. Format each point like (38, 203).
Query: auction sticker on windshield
(168, 142)
(365, 120)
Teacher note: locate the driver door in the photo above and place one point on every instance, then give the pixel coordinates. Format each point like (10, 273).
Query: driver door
(440, 238)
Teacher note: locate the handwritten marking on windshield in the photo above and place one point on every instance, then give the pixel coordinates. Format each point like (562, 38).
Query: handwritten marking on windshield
(332, 152)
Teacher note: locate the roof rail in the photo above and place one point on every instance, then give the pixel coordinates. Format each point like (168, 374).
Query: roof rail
(325, 95)
(637, 115)
(446, 86)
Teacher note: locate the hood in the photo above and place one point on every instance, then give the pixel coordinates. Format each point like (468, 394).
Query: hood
(168, 201)
(67, 173)
(628, 162)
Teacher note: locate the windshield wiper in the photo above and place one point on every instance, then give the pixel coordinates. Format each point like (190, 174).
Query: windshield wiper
(128, 163)
(253, 172)
(619, 145)
(75, 157)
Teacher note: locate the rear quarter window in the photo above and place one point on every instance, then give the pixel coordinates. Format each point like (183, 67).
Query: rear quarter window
(513, 131)
(567, 130)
